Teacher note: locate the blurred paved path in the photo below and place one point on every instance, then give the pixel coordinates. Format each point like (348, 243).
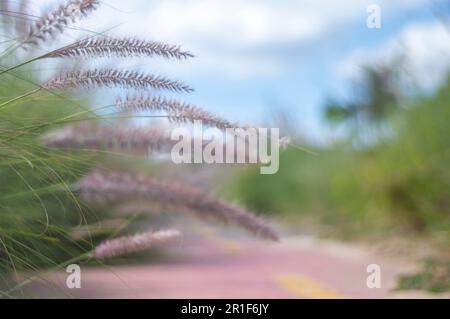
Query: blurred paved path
(214, 267)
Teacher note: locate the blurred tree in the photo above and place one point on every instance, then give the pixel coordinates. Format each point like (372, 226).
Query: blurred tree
(375, 98)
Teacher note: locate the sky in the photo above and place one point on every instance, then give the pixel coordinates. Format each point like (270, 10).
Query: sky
(254, 57)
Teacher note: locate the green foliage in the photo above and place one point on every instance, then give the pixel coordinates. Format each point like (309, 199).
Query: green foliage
(375, 99)
(434, 277)
(336, 113)
(399, 184)
(415, 166)
(38, 208)
(313, 187)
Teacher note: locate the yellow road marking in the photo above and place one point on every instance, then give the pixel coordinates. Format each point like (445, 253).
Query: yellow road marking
(228, 246)
(231, 247)
(306, 287)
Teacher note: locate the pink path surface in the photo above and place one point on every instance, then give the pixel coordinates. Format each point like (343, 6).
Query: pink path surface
(218, 268)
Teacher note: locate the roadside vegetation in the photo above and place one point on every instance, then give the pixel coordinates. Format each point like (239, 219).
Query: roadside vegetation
(389, 176)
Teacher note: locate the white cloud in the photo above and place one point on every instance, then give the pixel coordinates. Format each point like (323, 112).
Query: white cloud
(239, 32)
(245, 22)
(423, 47)
(234, 22)
(239, 22)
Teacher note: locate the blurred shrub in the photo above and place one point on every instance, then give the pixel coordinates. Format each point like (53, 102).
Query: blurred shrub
(399, 184)
(414, 166)
(434, 277)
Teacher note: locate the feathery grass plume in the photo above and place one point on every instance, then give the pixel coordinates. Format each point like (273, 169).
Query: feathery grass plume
(178, 112)
(113, 78)
(133, 139)
(89, 135)
(58, 19)
(119, 47)
(117, 187)
(134, 243)
(284, 142)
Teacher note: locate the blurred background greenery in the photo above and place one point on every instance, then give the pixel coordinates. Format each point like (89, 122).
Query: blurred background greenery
(388, 177)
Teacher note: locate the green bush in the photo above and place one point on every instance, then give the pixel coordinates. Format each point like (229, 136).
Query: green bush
(399, 184)
(37, 206)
